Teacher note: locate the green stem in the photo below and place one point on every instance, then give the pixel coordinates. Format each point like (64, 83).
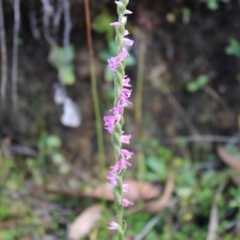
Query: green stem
(138, 102)
(95, 94)
(117, 133)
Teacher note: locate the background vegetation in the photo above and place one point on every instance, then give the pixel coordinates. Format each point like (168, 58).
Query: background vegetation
(185, 120)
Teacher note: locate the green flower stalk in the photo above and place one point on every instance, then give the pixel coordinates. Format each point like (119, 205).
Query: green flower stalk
(114, 122)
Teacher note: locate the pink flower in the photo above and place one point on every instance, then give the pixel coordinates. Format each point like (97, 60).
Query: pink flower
(125, 187)
(126, 203)
(117, 110)
(113, 62)
(128, 42)
(126, 92)
(111, 121)
(125, 138)
(127, 12)
(120, 165)
(126, 81)
(115, 24)
(112, 179)
(111, 175)
(113, 225)
(123, 53)
(123, 101)
(126, 154)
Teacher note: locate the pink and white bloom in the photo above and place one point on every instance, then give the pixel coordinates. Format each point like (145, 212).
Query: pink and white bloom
(112, 179)
(123, 101)
(121, 165)
(126, 203)
(126, 139)
(113, 225)
(123, 53)
(125, 188)
(127, 12)
(126, 154)
(123, 93)
(115, 24)
(128, 41)
(126, 92)
(117, 110)
(126, 81)
(113, 62)
(111, 175)
(111, 121)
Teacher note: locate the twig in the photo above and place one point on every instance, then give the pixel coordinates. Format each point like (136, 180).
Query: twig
(16, 8)
(57, 16)
(68, 24)
(47, 12)
(148, 227)
(3, 56)
(181, 112)
(214, 221)
(216, 96)
(33, 21)
(95, 93)
(199, 138)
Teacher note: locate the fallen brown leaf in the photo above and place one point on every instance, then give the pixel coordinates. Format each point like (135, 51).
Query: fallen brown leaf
(158, 205)
(230, 160)
(137, 191)
(83, 224)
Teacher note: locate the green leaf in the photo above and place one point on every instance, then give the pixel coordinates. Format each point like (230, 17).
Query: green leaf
(157, 166)
(199, 83)
(192, 87)
(101, 24)
(66, 74)
(69, 53)
(184, 192)
(56, 56)
(149, 176)
(187, 178)
(233, 47)
(202, 80)
(53, 141)
(60, 56)
(186, 11)
(58, 158)
(212, 5)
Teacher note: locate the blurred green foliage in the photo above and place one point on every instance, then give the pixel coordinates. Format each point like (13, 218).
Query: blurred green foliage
(198, 83)
(61, 59)
(233, 47)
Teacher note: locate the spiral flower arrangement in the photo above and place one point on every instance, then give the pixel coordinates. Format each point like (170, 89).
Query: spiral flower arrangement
(113, 123)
